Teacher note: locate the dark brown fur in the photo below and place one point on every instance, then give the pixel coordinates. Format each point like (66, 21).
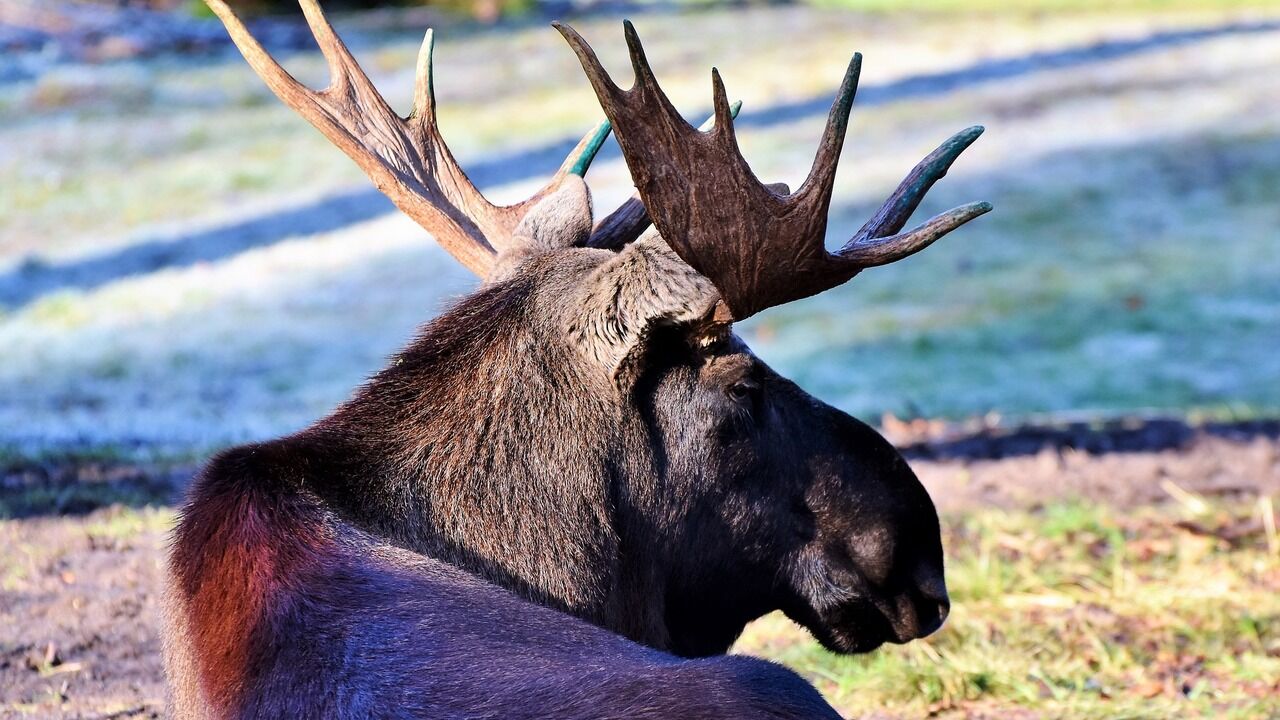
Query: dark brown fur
(573, 436)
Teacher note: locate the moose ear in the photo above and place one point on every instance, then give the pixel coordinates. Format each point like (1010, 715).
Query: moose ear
(644, 286)
(561, 219)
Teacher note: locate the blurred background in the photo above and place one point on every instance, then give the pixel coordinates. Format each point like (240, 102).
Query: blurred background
(1088, 378)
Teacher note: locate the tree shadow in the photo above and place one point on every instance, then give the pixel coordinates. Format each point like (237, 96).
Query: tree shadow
(1123, 435)
(73, 485)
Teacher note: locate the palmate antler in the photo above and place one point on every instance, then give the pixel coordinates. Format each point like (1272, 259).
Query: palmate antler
(405, 157)
(759, 245)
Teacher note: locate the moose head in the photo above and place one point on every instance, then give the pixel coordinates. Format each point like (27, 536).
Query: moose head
(586, 429)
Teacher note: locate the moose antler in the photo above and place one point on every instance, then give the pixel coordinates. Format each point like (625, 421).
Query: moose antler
(759, 245)
(406, 158)
(630, 219)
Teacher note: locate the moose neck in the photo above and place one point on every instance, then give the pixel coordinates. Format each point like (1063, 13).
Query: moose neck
(472, 447)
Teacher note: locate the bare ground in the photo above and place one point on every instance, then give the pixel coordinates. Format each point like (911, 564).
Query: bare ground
(79, 637)
(81, 568)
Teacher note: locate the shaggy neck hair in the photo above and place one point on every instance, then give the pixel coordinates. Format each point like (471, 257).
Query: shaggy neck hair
(470, 448)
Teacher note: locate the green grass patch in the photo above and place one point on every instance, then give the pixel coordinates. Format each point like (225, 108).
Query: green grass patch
(121, 523)
(1079, 611)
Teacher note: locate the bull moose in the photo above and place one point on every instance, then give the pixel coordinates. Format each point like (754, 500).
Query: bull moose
(567, 496)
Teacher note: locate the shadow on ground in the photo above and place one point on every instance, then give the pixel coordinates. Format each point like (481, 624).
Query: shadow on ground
(76, 485)
(1096, 438)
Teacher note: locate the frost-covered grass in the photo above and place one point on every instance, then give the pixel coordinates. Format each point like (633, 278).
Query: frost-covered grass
(90, 153)
(1078, 611)
(1143, 283)
(221, 352)
(1130, 262)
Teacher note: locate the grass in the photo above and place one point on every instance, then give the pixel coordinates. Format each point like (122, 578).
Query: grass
(122, 524)
(1036, 311)
(1079, 611)
(79, 481)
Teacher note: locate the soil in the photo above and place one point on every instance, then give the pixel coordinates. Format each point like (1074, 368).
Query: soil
(78, 603)
(78, 637)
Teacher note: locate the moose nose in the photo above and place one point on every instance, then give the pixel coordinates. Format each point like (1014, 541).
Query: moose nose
(931, 614)
(918, 614)
(931, 603)
(912, 616)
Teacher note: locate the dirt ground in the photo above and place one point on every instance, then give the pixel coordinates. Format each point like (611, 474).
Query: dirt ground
(82, 555)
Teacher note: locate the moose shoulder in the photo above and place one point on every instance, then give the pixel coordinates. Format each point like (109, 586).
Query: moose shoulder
(577, 483)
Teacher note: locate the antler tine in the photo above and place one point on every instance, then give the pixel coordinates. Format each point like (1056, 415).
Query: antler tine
(341, 61)
(822, 174)
(722, 113)
(424, 89)
(872, 252)
(895, 211)
(580, 158)
(872, 245)
(639, 62)
(276, 77)
(595, 72)
(407, 159)
(612, 96)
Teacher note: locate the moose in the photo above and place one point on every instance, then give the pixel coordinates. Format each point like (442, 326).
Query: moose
(568, 496)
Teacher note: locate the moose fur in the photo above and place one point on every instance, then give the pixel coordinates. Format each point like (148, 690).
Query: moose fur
(563, 451)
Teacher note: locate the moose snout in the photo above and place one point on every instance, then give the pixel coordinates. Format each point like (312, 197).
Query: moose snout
(922, 608)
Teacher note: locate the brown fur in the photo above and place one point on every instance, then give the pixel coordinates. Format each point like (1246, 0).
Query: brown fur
(574, 435)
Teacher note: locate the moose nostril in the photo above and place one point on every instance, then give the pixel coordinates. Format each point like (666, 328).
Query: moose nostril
(930, 615)
(932, 607)
(930, 623)
(932, 586)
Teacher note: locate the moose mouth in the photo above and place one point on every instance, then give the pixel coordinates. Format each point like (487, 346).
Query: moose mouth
(855, 627)
(861, 625)
(847, 614)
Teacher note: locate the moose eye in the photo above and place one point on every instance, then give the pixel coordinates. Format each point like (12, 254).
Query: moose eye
(744, 391)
